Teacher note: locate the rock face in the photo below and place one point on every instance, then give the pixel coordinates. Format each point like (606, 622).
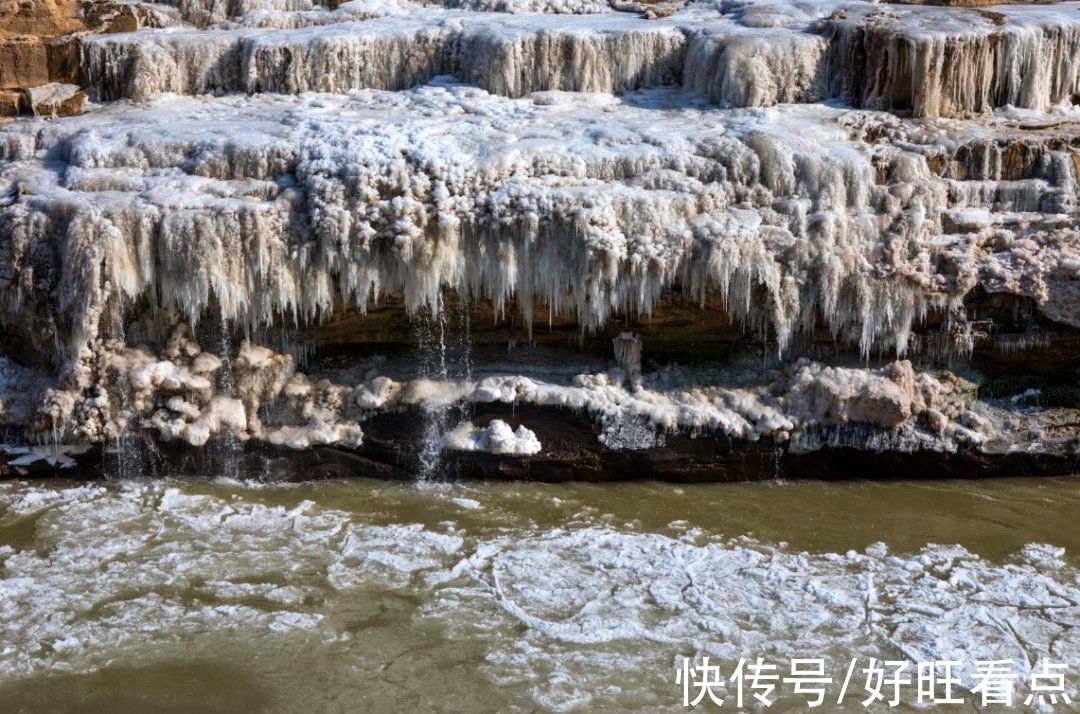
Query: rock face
(31, 43)
(39, 46)
(773, 228)
(10, 103)
(55, 100)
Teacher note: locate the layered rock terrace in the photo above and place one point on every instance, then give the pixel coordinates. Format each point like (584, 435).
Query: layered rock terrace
(804, 227)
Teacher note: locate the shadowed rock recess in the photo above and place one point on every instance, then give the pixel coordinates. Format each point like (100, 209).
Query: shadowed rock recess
(549, 239)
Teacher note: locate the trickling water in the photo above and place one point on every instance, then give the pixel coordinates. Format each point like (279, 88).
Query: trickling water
(224, 453)
(430, 327)
(463, 361)
(444, 355)
(125, 456)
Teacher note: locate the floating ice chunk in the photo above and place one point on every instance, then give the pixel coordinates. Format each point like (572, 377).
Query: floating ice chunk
(67, 646)
(466, 503)
(389, 555)
(286, 621)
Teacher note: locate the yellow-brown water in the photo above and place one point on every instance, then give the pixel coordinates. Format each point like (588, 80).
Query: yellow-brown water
(371, 596)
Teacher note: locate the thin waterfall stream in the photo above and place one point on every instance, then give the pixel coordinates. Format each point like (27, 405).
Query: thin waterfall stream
(443, 344)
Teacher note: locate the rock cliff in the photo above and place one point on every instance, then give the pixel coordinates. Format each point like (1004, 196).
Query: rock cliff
(549, 239)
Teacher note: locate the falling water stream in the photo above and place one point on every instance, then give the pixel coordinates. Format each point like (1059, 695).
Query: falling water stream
(443, 346)
(225, 453)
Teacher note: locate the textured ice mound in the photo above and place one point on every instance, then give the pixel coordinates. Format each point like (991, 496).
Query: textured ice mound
(496, 438)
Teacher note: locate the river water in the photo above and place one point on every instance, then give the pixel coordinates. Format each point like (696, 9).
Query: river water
(370, 596)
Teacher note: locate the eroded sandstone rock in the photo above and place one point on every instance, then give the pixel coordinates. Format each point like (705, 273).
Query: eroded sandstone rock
(55, 100)
(10, 103)
(24, 62)
(797, 226)
(39, 42)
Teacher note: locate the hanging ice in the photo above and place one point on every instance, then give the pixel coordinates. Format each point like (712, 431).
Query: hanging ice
(825, 173)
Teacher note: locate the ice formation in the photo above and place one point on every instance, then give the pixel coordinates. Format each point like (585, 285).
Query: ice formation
(178, 394)
(495, 438)
(181, 393)
(935, 62)
(484, 195)
(562, 612)
(841, 168)
(57, 455)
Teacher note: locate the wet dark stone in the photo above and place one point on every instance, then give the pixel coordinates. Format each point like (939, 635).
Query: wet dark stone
(571, 452)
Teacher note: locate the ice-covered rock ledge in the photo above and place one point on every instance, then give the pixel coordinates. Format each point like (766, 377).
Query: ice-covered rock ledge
(876, 205)
(928, 61)
(290, 208)
(272, 213)
(701, 422)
